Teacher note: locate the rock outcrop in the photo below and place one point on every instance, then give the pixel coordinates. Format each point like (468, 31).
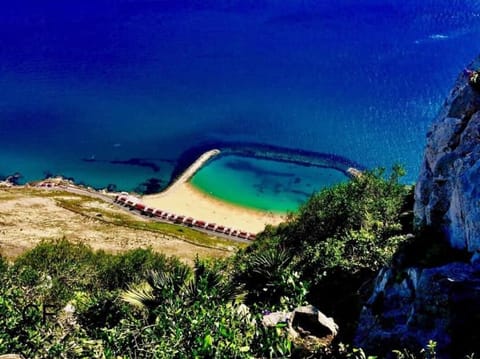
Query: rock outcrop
(304, 321)
(411, 307)
(447, 193)
(427, 299)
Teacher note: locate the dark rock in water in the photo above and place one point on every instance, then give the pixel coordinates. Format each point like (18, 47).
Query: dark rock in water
(112, 187)
(47, 174)
(245, 166)
(139, 162)
(14, 179)
(438, 298)
(150, 186)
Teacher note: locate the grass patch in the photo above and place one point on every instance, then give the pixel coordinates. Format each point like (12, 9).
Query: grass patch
(82, 206)
(93, 208)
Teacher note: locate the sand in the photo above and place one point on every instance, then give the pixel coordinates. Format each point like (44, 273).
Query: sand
(185, 199)
(28, 217)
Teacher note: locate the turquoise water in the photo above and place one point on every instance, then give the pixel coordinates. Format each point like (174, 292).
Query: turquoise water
(131, 85)
(272, 186)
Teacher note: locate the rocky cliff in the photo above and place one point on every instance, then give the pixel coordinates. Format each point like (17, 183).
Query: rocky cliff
(447, 195)
(432, 297)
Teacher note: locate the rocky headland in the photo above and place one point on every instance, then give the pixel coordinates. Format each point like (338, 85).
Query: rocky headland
(432, 290)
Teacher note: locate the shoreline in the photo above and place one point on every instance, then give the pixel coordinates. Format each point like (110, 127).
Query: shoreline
(234, 204)
(182, 198)
(191, 201)
(190, 171)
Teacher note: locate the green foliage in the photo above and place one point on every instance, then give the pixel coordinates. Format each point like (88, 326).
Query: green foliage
(3, 265)
(272, 281)
(140, 304)
(28, 329)
(116, 271)
(371, 203)
(73, 267)
(337, 242)
(187, 315)
(429, 352)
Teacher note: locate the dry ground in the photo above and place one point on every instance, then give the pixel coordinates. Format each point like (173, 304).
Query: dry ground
(29, 215)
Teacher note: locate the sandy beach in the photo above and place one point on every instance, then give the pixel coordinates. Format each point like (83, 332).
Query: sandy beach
(186, 200)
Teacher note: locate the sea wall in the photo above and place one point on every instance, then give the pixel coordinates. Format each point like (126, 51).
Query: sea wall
(267, 152)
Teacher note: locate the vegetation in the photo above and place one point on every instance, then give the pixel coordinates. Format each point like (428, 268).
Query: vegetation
(63, 300)
(334, 246)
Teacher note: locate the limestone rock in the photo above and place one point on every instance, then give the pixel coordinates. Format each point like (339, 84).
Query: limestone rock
(441, 302)
(412, 306)
(272, 319)
(309, 321)
(306, 321)
(447, 193)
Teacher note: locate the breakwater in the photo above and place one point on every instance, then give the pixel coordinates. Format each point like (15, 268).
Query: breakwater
(191, 170)
(268, 152)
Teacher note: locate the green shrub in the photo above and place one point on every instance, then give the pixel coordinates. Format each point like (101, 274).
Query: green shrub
(337, 242)
(117, 271)
(74, 267)
(186, 315)
(271, 280)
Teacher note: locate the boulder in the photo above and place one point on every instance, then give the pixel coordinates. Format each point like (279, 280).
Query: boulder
(309, 321)
(274, 318)
(305, 321)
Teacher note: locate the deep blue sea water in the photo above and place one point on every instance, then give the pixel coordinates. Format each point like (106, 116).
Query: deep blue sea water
(109, 81)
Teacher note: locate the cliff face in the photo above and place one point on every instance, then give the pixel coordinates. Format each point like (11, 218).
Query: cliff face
(447, 193)
(413, 304)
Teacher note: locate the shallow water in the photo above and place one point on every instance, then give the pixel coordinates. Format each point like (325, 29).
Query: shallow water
(272, 186)
(113, 81)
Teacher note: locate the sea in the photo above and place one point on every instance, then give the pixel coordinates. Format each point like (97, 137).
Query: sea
(112, 93)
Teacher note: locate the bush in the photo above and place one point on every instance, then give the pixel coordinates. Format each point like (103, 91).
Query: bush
(74, 267)
(337, 242)
(117, 271)
(186, 315)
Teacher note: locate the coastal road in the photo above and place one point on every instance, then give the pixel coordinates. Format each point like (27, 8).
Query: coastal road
(110, 199)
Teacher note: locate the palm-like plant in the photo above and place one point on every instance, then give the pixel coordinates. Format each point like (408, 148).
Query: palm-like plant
(204, 284)
(265, 275)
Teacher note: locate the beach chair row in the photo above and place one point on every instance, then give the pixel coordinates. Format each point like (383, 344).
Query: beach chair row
(134, 203)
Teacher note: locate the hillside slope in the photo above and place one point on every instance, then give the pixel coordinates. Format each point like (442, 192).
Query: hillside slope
(29, 215)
